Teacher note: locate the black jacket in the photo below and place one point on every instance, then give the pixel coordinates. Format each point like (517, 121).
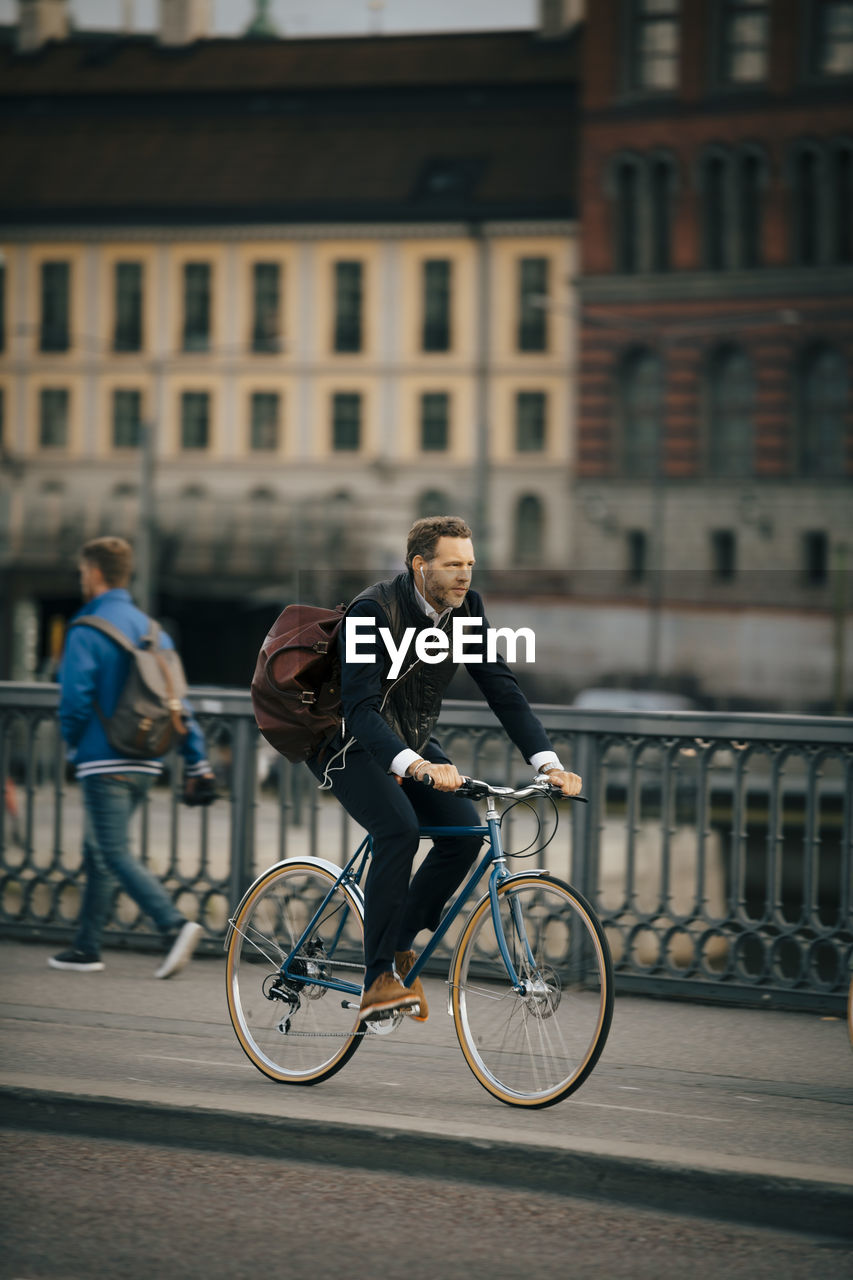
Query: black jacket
(413, 706)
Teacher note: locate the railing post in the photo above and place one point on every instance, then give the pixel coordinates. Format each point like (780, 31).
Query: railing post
(584, 817)
(242, 808)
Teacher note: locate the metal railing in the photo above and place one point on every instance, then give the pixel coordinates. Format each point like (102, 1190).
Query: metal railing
(716, 848)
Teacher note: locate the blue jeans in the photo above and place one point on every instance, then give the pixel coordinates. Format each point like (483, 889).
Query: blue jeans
(110, 802)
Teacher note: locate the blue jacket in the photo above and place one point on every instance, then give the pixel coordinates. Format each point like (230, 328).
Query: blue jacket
(93, 671)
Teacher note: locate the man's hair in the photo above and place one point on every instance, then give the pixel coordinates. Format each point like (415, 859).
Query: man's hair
(114, 558)
(424, 535)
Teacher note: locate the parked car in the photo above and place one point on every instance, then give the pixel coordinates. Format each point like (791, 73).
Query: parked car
(631, 700)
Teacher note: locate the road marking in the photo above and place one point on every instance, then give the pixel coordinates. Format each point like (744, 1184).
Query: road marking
(743, 1098)
(630, 1088)
(648, 1111)
(196, 1062)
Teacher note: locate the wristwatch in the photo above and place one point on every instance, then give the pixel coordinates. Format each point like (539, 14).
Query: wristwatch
(549, 768)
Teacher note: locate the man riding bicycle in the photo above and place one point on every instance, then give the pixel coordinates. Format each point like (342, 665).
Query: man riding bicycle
(391, 702)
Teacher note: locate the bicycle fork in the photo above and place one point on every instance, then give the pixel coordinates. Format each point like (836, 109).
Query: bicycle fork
(524, 986)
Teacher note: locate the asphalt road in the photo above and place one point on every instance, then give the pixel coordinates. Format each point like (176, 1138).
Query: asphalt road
(81, 1209)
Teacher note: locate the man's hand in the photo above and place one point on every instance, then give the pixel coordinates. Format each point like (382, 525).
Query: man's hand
(199, 790)
(445, 777)
(569, 783)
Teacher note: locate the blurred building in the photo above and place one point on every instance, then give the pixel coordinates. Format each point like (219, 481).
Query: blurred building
(271, 300)
(715, 415)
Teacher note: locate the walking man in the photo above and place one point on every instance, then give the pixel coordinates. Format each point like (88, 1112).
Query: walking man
(92, 674)
(377, 777)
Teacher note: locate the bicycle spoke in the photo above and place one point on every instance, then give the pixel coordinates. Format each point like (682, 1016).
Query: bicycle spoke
(287, 955)
(533, 1047)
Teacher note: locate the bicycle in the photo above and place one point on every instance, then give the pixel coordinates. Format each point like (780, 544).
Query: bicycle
(530, 981)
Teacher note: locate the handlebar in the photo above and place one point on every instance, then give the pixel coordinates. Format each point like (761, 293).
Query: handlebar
(475, 789)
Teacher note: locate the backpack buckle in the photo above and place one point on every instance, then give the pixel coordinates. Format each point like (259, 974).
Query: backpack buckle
(321, 646)
(307, 696)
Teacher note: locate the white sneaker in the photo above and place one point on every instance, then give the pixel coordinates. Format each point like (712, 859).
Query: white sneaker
(181, 950)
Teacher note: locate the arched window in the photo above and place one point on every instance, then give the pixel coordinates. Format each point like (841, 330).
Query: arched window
(640, 401)
(433, 502)
(842, 202)
(715, 207)
(749, 185)
(807, 207)
(822, 404)
(529, 529)
(730, 417)
(627, 217)
(662, 181)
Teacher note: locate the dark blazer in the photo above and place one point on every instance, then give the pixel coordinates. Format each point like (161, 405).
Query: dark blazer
(363, 685)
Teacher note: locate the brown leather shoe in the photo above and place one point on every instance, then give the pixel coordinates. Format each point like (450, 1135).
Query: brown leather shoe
(403, 961)
(386, 995)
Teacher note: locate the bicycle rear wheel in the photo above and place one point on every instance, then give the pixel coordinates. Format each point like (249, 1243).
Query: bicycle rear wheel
(533, 1049)
(292, 1025)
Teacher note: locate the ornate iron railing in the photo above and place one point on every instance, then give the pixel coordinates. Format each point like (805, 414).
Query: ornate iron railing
(716, 848)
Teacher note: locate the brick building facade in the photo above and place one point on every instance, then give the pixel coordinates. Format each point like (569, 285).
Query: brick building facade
(715, 420)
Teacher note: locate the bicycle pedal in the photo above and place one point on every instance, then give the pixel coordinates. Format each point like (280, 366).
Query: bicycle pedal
(411, 1010)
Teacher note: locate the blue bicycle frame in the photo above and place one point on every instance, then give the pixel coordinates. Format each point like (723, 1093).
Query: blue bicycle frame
(494, 854)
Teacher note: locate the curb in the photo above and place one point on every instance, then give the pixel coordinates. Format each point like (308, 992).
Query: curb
(754, 1199)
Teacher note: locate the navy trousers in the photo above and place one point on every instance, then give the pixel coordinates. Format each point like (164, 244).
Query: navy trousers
(395, 910)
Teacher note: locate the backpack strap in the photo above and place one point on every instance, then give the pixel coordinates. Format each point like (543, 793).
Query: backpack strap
(149, 640)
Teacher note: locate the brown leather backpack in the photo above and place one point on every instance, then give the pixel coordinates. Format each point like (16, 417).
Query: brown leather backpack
(296, 688)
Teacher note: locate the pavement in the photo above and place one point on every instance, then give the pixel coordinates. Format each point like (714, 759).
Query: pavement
(738, 1114)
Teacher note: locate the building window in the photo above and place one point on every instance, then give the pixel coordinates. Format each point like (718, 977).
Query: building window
(654, 45)
(627, 217)
(433, 502)
(2, 306)
(636, 555)
(55, 305)
(730, 426)
(532, 301)
(53, 418)
(127, 419)
(815, 553)
(346, 421)
(197, 291)
(435, 335)
(530, 422)
(832, 47)
(749, 185)
(127, 334)
(529, 527)
(723, 554)
(807, 208)
(715, 211)
(745, 29)
(265, 420)
(266, 307)
(842, 200)
(823, 393)
(195, 420)
(434, 421)
(348, 306)
(661, 191)
(640, 408)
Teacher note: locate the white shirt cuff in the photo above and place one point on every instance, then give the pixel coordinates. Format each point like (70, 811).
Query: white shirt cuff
(403, 760)
(544, 757)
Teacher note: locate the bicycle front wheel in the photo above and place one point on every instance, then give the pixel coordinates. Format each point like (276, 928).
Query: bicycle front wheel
(533, 1048)
(287, 1004)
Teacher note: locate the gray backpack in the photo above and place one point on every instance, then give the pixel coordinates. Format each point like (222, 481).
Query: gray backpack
(149, 715)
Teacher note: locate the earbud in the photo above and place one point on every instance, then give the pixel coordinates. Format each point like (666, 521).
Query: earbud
(423, 576)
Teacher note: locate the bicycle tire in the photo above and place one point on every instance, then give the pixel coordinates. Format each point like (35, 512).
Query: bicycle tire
(535, 1049)
(293, 1030)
